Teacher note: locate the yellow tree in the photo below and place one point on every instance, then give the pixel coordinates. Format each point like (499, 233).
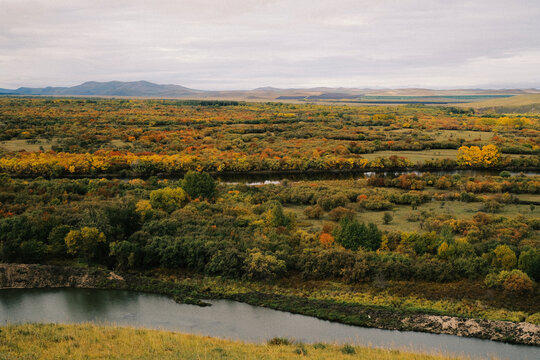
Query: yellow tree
(488, 156)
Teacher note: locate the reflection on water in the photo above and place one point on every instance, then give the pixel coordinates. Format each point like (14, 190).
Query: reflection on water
(226, 319)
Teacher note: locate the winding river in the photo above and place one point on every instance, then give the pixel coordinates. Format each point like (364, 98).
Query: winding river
(230, 320)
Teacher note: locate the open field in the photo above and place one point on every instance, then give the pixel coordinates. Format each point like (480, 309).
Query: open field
(529, 103)
(26, 145)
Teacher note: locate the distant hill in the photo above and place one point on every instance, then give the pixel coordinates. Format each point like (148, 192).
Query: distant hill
(316, 94)
(529, 103)
(111, 88)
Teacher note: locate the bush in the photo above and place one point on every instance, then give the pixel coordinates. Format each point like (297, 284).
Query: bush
(279, 341)
(515, 281)
(518, 282)
(491, 206)
(339, 213)
(375, 203)
(330, 202)
(258, 266)
(348, 349)
(387, 218)
(314, 212)
(534, 318)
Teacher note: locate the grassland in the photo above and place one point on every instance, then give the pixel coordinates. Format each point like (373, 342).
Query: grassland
(27, 145)
(529, 103)
(37, 341)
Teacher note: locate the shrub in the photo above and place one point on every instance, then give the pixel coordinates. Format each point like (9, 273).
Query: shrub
(258, 266)
(387, 218)
(326, 239)
(279, 341)
(534, 318)
(339, 213)
(314, 212)
(348, 349)
(491, 206)
(518, 282)
(375, 203)
(330, 202)
(512, 281)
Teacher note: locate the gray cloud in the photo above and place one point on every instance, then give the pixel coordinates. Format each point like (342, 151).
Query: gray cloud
(233, 44)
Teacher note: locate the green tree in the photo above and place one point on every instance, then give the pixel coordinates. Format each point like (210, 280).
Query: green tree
(57, 245)
(529, 262)
(387, 218)
(352, 234)
(276, 217)
(199, 185)
(84, 242)
(168, 199)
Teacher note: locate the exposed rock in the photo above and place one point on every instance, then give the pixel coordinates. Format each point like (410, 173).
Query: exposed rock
(50, 276)
(523, 333)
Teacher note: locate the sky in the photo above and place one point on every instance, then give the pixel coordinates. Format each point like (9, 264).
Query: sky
(241, 44)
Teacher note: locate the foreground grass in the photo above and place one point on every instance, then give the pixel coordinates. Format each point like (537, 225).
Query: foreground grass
(38, 341)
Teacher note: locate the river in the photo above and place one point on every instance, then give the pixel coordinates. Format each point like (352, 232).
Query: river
(230, 320)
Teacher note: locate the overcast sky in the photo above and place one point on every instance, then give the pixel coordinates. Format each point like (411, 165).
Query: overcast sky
(241, 44)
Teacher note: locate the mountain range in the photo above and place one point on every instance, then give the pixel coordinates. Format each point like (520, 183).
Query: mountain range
(148, 89)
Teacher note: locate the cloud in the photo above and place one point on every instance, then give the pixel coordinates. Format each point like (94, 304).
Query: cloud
(232, 44)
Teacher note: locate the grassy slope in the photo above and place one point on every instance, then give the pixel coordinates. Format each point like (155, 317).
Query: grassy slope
(519, 103)
(37, 341)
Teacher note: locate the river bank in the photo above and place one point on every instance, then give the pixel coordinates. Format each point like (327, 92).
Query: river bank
(51, 341)
(50, 276)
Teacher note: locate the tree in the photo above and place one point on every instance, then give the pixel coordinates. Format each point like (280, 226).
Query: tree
(529, 262)
(84, 242)
(168, 199)
(387, 218)
(276, 217)
(504, 257)
(352, 235)
(57, 245)
(326, 239)
(488, 156)
(199, 184)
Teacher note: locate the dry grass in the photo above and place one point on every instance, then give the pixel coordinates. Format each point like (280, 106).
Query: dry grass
(423, 155)
(47, 342)
(23, 144)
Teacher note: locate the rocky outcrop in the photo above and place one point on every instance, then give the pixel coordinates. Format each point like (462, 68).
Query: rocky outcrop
(521, 333)
(50, 276)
